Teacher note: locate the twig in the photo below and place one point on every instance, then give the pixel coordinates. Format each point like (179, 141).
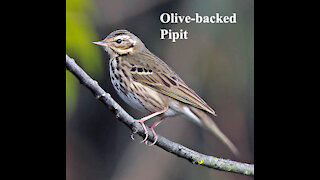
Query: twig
(172, 147)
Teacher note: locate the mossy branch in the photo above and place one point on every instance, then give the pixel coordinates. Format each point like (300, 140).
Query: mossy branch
(172, 147)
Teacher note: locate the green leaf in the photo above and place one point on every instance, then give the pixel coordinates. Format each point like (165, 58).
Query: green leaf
(80, 34)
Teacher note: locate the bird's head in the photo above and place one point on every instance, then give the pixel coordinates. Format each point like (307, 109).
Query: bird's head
(121, 42)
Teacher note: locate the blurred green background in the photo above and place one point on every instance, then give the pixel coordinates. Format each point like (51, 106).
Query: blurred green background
(216, 61)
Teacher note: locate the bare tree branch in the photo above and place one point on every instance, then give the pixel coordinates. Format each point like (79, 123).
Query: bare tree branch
(172, 147)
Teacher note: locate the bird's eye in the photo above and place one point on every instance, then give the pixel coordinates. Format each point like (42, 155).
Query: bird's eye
(119, 41)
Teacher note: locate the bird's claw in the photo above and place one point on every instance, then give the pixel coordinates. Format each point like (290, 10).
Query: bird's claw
(146, 133)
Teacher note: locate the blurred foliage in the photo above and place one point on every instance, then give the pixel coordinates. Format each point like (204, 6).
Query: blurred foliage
(79, 35)
(71, 87)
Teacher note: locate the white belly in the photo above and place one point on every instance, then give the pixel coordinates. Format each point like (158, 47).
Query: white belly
(128, 97)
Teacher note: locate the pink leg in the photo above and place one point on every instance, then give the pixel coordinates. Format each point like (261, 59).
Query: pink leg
(154, 133)
(142, 120)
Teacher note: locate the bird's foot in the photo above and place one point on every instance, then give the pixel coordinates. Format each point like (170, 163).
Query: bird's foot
(154, 135)
(141, 121)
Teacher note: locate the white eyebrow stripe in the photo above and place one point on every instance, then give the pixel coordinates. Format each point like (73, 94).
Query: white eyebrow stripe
(133, 41)
(123, 37)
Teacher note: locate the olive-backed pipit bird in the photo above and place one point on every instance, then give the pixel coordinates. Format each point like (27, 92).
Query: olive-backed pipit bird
(148, 84)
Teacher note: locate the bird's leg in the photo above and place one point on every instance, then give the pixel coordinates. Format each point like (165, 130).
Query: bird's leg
(142, 120)
(154, 133)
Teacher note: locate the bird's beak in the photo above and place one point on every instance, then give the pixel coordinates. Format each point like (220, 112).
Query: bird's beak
(100, 43)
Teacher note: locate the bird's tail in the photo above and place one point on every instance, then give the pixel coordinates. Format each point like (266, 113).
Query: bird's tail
(212, 126)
